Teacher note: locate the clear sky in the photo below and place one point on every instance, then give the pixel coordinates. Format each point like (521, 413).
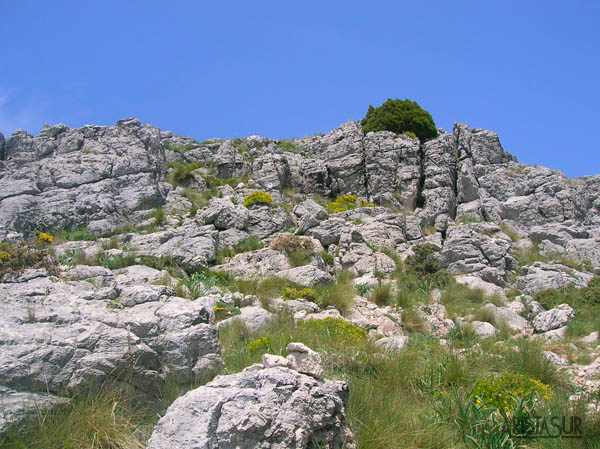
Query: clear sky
(528, 70)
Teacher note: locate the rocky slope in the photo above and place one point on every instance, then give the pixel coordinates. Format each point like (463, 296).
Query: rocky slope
(111, 312)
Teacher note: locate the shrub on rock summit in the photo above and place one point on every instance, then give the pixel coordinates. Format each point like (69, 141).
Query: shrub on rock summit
(400, 116)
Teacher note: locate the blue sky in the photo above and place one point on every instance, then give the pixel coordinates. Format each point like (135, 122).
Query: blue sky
(527, 70)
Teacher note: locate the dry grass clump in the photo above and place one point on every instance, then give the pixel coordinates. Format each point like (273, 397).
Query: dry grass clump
(300, 250)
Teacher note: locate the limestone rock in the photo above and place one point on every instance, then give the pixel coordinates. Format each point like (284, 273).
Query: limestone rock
(16, 408)
(554, 318)
(307, 275)
(392, 343)
(435, 319)
(483, 329)
(259, 408)
(304, 360)
(542, 276)
(513, 320)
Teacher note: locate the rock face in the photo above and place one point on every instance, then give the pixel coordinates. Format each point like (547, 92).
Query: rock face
(102, 327)
(257, 408)
(94, 175)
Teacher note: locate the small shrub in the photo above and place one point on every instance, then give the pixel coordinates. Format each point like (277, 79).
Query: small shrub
(467, 219)
(428, 230)
(115, 262)
(505, 391)
(581, 299)
(107, 419)
(252, 243)
(363, 289)
(293, 293)
(14, 258)
(371, 246)
(45, 238)
(413, 322)
(242, 148)
(410, 134)
(257, 198)
(342, 204)
(459, 299)
(181, 149)
(339, 294)
(299, 249)
(202, 281)
(425, 264)
(514, 235)
(212, 182)
(328, 258)
(112, 243)
(78, 233)
(266, 288)
(337, 328)
(365, 203)
(259, 345)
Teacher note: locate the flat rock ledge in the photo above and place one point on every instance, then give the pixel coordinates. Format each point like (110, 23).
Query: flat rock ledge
(259, 408)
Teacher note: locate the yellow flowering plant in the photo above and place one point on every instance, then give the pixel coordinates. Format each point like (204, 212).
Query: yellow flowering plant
(223, 310)
(45, 238)
(342, 204)
(257, 198)
(506, 391)
(259, 345)
(336, 327)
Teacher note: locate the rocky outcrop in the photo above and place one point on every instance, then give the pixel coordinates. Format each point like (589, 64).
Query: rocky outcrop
(101, 176)
(101, 328)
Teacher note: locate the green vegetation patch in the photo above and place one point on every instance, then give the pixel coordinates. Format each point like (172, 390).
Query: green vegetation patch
(289, 146)
(181, 172)
(258, 198)
(252, 243)
(294, 293)
(342, 204)
(400, 116)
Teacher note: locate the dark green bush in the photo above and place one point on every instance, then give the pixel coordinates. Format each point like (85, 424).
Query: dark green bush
(400, 116)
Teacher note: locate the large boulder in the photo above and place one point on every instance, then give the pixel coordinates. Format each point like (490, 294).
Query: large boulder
(553, 318)
(258, 408)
